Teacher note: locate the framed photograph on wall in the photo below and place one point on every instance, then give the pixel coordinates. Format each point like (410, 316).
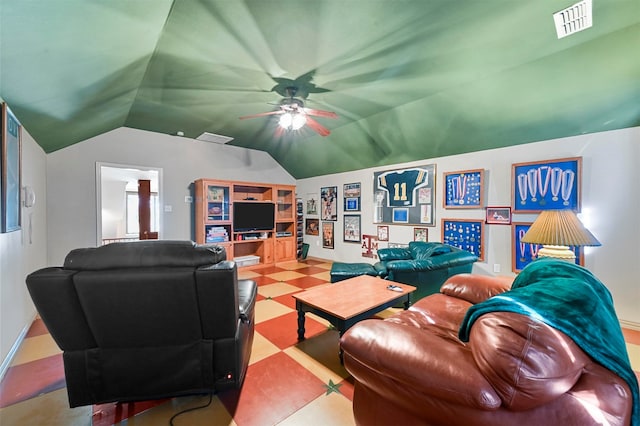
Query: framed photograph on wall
(11, 160)
(351, 194)
(498, 215)
(329, 201)
(465, 234)
(405, 196)
(383, 233)
(312, 204)
(421, 234)
(312, 226)
(327, 235)
(524, 253)
(351, 228)
(463, 189)
(546, 185)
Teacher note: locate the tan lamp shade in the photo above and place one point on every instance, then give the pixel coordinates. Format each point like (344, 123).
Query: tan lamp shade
(559, 229)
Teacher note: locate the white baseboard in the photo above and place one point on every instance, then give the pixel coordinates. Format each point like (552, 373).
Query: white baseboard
(630, 324)
(6, 363)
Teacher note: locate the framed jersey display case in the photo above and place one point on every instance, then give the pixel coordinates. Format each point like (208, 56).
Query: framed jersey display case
(405, 196)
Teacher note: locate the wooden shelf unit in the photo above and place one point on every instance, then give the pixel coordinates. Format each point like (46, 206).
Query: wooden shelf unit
(214, 201)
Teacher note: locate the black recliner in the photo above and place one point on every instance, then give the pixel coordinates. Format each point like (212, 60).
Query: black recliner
(147, 320)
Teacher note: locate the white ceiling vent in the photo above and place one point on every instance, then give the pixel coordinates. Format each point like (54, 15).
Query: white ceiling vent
(212, 137)
(573, 19)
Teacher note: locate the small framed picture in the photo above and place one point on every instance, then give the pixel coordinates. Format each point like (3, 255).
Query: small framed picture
(420, 234)
(329, 197)
(352, 228)
(327, 235)
(351, 193)
(383, 233)
(312, 204)
(498, 216)
(401, 215)
(312, 227)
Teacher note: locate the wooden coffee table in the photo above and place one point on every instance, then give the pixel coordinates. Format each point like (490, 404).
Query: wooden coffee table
(346, 302)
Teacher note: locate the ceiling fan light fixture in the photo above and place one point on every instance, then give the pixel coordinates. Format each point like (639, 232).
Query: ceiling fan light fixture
(292, 120)
(298, 121)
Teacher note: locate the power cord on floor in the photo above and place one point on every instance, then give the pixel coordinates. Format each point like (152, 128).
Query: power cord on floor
(191, 409)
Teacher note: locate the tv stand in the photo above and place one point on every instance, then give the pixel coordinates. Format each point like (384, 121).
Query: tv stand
(214, 221)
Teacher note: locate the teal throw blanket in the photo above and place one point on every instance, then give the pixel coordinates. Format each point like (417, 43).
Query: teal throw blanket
(571, 299)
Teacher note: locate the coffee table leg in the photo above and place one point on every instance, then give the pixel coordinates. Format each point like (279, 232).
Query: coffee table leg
(300, 324)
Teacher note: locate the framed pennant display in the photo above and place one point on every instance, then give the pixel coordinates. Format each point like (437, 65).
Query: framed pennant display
(464, 189)
(465, 234)
(546, 185)
(524, 253)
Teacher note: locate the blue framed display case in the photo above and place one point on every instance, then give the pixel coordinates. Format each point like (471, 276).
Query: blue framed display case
(464, 234)
(546, 185)
(524, 253)
(463, 189)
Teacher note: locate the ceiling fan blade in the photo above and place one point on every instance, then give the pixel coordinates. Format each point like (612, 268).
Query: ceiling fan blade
(317, 127)
(262, 114)
(320, 113)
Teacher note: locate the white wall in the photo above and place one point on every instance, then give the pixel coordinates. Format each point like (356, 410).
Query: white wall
(610, 206)
(23, 251)
(72, 188)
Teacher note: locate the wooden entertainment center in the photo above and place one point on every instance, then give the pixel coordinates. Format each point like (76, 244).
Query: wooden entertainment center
(270, 241)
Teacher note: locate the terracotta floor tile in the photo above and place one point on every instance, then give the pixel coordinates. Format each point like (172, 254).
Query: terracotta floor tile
(282, 331)
(306, 282)
(25, 381)
(112, 413)
(631, 336)
(274, 388)
(262, 280)
(37, 328)
(310, 270)
(285, 275)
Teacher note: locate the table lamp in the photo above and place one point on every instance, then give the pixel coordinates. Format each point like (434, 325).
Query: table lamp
(556, 230)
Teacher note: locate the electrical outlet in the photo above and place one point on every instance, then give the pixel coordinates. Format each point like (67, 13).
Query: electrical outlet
(168, 208)
(188, 199)
(496, 267)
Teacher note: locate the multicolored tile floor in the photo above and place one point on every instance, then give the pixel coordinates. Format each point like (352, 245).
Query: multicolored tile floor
(287, 383)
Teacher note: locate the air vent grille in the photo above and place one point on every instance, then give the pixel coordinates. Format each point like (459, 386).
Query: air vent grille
(573, 19)
(212, 137)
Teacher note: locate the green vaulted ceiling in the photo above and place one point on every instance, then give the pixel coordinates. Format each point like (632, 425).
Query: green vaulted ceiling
(409, 79)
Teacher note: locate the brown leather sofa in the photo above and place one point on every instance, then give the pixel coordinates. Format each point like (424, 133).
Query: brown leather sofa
(147, 320)
(413, 369)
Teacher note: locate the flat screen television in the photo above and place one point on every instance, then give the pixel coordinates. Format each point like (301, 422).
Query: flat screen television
(253, 216)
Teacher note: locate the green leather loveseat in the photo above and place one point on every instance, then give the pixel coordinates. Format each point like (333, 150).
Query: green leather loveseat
(423, 265)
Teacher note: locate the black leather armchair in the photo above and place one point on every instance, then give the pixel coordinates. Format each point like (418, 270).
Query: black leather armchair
(147, 320)
(425, 265)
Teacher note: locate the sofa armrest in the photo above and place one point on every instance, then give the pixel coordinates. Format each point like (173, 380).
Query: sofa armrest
(381, 269)
(387, 356)
(442, 261)
(56, 300)
(475, 288)
(394, 253)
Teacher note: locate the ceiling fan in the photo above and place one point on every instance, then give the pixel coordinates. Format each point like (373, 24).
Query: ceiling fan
(294, 115)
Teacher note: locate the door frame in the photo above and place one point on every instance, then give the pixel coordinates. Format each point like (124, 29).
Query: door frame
(99, 166)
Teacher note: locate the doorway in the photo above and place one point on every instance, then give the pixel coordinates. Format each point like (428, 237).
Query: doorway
(117, 198)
